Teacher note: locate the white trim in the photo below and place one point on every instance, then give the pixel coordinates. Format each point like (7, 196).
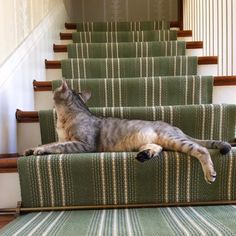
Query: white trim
(18, 55)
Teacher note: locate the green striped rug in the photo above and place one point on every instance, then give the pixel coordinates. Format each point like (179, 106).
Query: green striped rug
(90, 179)
(124, 36)
(199, 121)
(175, 221)
(129, 67)
(151, 91)
(117, 50)
(122, 26)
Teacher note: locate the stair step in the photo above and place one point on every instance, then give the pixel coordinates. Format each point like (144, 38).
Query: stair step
(180, 33)
(204, 60)
(173, 220)
(173, 24)
(33, 117)
(189, 45)
(218, 81)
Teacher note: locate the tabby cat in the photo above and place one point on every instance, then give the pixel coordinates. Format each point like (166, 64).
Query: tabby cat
(80, 131)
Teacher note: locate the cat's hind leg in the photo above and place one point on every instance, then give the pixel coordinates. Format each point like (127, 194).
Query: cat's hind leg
(148, 151)
(185, 145)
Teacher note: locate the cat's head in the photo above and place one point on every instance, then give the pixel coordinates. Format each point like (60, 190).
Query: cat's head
(64, 95)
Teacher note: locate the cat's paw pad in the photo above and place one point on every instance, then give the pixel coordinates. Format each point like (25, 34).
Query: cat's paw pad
(29, 152)
(144, 155)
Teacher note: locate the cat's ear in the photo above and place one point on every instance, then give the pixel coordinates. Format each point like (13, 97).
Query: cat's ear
(64, 86)
(85, 94)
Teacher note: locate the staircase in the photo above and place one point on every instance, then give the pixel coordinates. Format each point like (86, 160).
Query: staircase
(136, 71)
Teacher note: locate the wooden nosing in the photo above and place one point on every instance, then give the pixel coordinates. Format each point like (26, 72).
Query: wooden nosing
(181, 33)
(65, 36)
(9, 155)
(59, 48)
(52, 64)
(8, 164)
(26, 116)
(194, 44)
(184, 33)
(207, 60)
(173, 24)
(224, 80)
(218, 81)
(189, 45)
(42, 85)
(70, 25)
(120, 206)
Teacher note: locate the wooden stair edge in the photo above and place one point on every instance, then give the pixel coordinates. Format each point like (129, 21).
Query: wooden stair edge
(203, 60)
(8, 164)
(173, 24)
(180, 33)
(26, 116)
(218, 81)
(42, 85)
(52, 64)
(189, 45)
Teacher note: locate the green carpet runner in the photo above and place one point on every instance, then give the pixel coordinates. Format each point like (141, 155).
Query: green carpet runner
(124, 36)
(93, 179)
(208, 220)
(117, 50)
(151, 91)
(132, 88)
(129, 67)
(122, 26)
(198, 121)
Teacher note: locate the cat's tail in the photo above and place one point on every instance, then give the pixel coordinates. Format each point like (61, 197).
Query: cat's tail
(224, 147)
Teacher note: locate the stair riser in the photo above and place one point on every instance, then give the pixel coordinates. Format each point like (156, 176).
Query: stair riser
(10, 194)
(189, 52)
(55, 74)
(44, 101)
(28, 135)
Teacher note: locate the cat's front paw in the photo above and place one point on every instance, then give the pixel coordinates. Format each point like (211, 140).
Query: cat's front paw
(29, 152)
(35, 151)
(40, 151)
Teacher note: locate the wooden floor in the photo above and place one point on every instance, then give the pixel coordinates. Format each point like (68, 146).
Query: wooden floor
(5, 219)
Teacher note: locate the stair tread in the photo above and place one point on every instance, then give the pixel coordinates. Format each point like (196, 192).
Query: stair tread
(218, 81)
(180, 33)
(73, 25)
(203, 60)
(189, 45)
(139, 221)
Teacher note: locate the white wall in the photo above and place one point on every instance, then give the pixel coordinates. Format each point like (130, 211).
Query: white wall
(24, 65)
(214, 22)
(18, 19)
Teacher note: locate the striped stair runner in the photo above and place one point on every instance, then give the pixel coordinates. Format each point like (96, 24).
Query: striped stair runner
(122, 26)
(147, 91)
(138, 71)
(207, 220)
(100, 179)
(199, 121)
(135, 49)
(128, 67)
(124, 36)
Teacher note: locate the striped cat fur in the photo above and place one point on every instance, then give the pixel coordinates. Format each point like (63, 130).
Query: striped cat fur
(80, 131)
